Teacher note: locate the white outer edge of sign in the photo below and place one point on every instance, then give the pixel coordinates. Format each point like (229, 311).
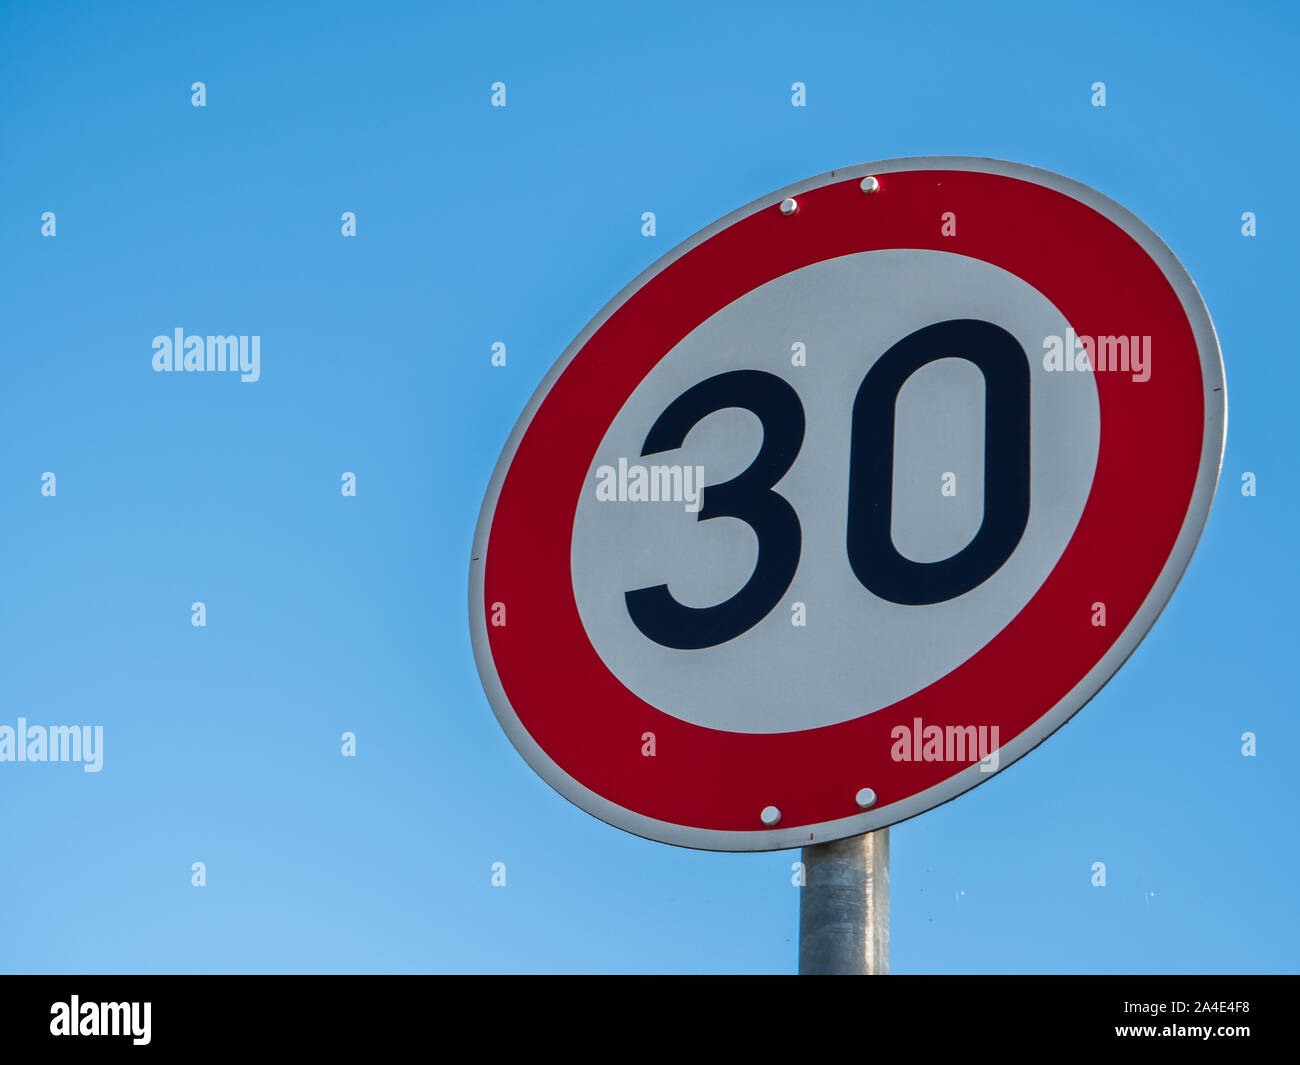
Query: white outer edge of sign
(1207, 478)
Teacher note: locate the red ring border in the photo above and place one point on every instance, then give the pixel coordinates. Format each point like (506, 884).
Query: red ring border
(1148, 459)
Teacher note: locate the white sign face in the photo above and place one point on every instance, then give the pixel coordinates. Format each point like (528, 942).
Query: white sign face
(858, 652)
(847, 503)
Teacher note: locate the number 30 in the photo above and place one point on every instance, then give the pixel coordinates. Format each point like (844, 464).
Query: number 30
(872, 555)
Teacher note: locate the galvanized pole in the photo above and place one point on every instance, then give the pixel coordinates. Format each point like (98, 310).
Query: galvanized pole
(844, 907)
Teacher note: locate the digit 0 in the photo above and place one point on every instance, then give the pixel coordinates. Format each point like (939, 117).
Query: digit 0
(872, 555)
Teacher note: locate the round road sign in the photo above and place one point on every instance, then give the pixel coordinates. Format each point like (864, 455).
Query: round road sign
(846, 503)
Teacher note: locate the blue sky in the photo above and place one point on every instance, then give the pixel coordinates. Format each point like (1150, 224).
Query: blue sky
(475, 224)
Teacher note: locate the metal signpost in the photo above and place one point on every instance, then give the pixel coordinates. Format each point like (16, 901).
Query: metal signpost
(841, 507)
(844, 907)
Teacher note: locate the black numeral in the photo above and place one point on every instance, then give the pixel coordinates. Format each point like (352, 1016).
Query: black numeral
(748, 497)
(875, 560)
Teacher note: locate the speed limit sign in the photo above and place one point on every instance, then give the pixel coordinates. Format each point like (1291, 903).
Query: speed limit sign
(846, 503)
